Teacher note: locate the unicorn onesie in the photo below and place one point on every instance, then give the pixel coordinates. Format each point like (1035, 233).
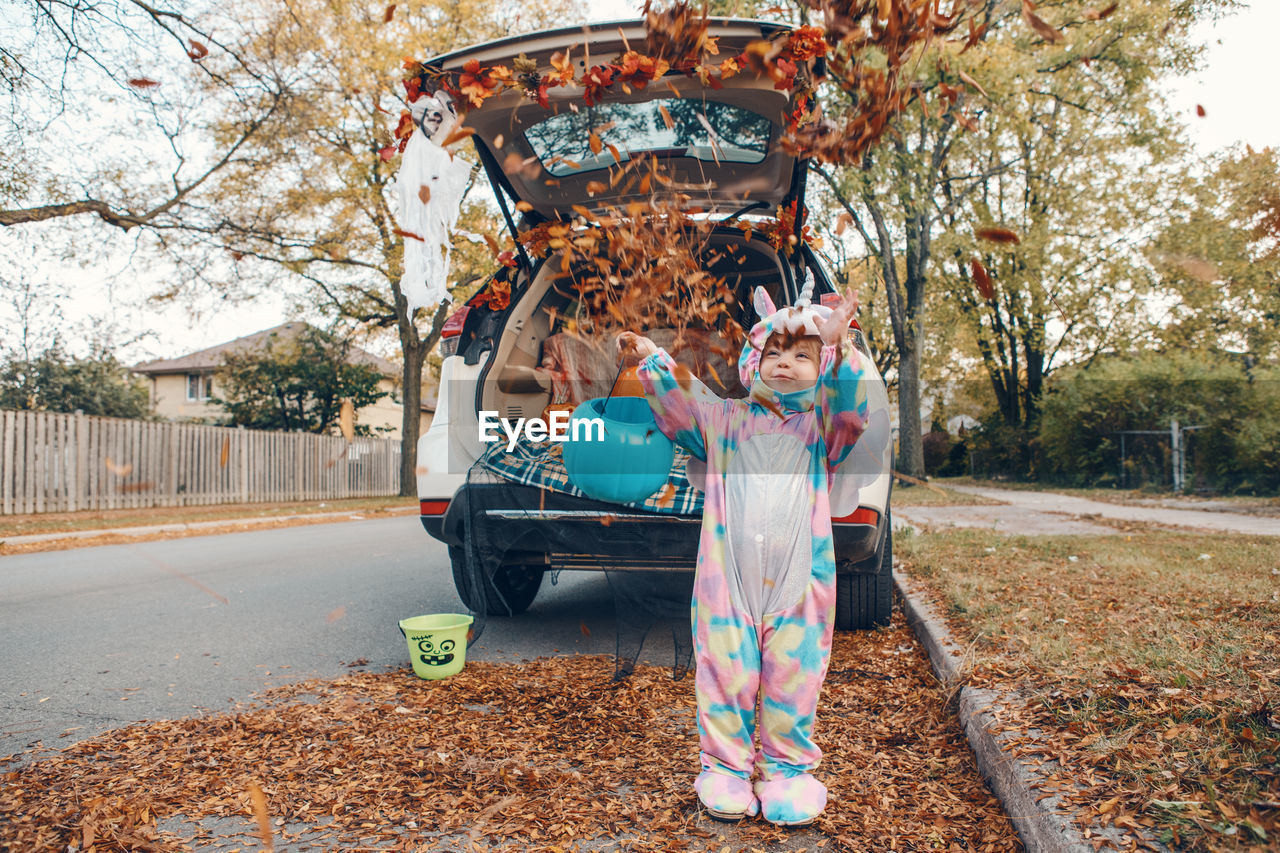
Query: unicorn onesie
(764, 593)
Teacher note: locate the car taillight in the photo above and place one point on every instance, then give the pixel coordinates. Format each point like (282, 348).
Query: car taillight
(861, 515)
(451, 332)
(831, 300)
(433, 507)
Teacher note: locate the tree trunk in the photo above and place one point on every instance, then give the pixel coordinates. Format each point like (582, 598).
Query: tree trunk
(415, 355)
(910, 434)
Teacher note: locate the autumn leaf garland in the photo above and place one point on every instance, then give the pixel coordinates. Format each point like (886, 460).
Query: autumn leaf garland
(632, 69)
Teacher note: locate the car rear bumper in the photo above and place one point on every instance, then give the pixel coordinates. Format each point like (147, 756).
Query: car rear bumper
(537, 526)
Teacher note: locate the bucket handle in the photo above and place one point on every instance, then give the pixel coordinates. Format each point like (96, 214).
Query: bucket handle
(613, 386)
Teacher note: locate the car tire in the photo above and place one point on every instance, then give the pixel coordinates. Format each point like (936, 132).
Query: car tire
(508, 593)
(864, 597)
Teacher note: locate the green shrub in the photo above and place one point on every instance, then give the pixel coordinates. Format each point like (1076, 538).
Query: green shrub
(1236, 448)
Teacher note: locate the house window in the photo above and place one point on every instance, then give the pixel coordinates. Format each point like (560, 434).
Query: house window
(199, 387)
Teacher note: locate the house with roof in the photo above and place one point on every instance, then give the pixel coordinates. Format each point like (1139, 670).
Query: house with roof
(182, 387)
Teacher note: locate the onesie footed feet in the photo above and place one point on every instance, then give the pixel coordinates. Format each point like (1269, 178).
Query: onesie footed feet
(726, 797)
(791, 800)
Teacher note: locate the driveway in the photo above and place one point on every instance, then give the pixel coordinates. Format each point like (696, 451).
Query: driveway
(1049, 513)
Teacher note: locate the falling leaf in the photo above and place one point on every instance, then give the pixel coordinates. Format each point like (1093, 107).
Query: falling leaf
(336, 614)
(260, 814)
(1098, 15)
(582, 626)
(347, 420)
(143, 486)
(1038, 24)
(843, 221)
(198, 50)
(998, 235)
(666, 117)
(226, 452)
(1197, 268)
(594, 187)
(424, 194)
(982, 280)
(457, 135)
(120, 470)
(524, 206)
(594, 141)
(608, 520)
(389, 14)
(143, 82)
(974, 83)
(1200, 111)
(667, 495)
(386, 154)
(409, 235)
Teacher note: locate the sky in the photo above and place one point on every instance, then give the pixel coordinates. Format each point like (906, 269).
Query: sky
(1231, 88)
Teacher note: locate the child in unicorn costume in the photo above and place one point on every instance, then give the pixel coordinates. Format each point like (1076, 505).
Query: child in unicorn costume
(764, 594)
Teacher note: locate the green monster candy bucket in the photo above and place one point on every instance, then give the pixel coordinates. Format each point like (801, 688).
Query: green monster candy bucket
(437, 643)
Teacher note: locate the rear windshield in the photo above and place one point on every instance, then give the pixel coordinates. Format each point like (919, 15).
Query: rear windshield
(705, 130)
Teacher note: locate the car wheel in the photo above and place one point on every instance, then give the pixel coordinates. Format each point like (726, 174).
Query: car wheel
(508, 593)
(864, 597)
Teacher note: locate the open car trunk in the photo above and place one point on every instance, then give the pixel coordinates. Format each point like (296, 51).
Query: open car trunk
(715, 135)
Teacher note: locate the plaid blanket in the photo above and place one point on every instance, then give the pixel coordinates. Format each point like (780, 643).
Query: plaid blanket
(541, 465)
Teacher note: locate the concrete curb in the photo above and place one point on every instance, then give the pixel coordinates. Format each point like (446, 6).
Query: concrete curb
(197, 526)
(1041, 827)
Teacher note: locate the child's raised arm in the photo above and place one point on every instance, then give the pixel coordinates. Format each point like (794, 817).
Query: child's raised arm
(680, 402)
(840, 402)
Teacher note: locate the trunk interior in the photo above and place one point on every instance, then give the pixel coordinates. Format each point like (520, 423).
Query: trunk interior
(539, 362)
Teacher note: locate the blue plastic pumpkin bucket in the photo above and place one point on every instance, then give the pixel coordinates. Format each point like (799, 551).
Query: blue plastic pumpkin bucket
(615, 451)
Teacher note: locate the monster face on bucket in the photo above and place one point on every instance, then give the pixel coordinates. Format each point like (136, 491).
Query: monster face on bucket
(435, 654)
(437, 643)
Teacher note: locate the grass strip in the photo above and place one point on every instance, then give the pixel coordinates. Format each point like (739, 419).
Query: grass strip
(1146, 664)
(63, 522)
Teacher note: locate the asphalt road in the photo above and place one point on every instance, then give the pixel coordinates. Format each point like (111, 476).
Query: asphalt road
(95, 638)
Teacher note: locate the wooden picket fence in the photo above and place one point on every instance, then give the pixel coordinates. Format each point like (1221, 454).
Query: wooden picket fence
(53, 462)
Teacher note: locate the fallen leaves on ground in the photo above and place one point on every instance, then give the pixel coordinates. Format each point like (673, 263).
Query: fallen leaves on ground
(1140, 672)
(542, 755)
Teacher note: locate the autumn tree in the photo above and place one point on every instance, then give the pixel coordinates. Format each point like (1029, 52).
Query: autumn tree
(53, 380)
(105, 107)
(1217, 260)
(296, 383)
(312, 196)
(1021, 86)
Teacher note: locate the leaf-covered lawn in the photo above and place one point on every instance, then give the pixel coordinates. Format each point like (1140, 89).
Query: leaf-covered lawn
(544, 755)
(1149, 661)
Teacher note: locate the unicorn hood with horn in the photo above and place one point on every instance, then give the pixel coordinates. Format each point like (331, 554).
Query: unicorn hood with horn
(801, 319)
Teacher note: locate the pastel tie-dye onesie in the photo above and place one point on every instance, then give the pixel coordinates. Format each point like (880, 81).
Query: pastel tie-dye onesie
(764, 594)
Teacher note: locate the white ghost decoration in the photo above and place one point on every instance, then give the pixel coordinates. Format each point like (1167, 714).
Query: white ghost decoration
(432, 214)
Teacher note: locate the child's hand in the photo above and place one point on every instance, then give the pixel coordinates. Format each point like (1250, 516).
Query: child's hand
(835, 327)
(635, 348)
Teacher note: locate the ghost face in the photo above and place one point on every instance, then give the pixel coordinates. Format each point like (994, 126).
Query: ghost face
(435, 654)
(435, 115)
(789, 363)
